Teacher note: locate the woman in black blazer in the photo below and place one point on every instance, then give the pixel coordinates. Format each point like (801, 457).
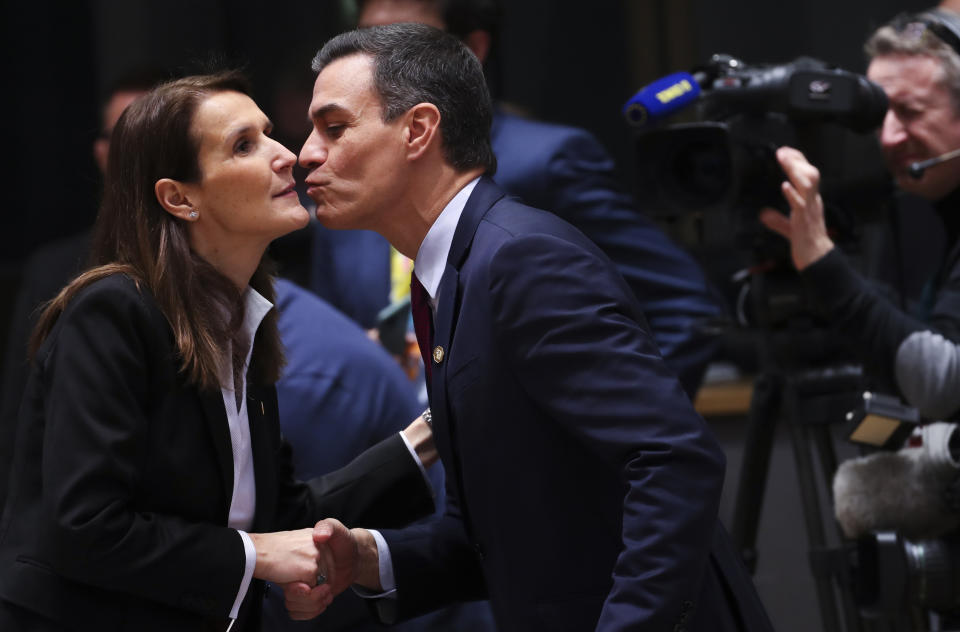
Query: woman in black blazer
(151, 489)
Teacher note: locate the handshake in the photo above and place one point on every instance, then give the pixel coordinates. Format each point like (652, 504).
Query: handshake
(313, 566)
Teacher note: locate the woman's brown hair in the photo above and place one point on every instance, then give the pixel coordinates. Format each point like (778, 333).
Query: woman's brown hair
(134, 235)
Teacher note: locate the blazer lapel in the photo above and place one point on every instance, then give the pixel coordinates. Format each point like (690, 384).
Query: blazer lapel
(211, 402)
(259, 407)
(442, 334)
(484, 195)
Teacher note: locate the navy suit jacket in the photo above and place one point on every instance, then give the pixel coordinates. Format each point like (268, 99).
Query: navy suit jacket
(582, 487)
(566, 171)
(340, 394)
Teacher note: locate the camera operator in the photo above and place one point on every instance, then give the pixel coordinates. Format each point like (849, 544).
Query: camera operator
(915, 60)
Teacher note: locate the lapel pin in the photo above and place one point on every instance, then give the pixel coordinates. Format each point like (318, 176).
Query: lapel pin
(438, 354)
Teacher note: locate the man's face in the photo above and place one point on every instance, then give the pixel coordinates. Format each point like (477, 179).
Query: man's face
(922, 122)
(356, 162)
(380, 12)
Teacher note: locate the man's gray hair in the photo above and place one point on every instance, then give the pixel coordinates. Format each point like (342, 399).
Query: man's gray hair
(913, 35)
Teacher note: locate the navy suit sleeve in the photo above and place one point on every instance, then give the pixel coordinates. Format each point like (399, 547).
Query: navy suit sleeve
(571, 175)
(580, 350)
(434, 563)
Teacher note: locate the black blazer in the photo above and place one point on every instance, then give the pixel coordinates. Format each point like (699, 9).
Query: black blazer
(123, 475)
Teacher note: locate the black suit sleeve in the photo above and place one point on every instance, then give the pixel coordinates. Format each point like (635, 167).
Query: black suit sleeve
(382, 487)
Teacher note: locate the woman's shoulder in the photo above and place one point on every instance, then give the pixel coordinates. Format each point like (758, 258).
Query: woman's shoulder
(117, 296)
(114, 286)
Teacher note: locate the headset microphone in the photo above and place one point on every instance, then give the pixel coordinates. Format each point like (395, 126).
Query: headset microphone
(916, 169)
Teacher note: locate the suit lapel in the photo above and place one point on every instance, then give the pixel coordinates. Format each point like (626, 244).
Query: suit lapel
(259, 406)
(211, 402)
(484, 195)
(443, 333)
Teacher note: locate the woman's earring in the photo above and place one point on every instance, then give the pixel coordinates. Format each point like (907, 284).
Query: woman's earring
(193, 214)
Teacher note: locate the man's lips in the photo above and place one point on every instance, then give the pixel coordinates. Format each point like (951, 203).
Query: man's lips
(314, 187)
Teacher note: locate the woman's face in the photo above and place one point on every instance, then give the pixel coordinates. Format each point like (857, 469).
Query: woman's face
(245, 194)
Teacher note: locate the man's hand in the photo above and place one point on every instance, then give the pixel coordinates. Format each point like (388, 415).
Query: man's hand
(805, 227)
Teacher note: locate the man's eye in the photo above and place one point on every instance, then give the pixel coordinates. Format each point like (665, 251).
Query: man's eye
(243, 146)
(908, 113)
(335, 131)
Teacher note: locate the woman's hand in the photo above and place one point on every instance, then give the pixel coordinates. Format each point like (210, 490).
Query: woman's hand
(287, 556)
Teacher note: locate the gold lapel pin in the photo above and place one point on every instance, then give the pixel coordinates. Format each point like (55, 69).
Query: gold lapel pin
(438, 354)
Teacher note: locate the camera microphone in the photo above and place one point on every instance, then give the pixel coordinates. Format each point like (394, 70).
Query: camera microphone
(916, 169)
(662, 98)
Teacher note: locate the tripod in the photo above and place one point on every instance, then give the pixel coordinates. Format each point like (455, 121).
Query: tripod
(808, 401)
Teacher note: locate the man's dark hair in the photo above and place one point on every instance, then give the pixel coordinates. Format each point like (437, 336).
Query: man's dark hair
(415, 63)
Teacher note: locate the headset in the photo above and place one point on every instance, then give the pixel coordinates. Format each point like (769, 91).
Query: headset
(945, 26)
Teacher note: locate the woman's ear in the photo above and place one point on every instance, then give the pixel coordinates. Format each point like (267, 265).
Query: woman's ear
(173, 198)
(423, 127)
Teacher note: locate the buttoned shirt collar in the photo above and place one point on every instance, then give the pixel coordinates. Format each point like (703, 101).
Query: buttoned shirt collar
(432, 257)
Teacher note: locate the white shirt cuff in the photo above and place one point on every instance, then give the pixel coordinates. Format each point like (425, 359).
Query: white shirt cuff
(251, 553)
(423, 470)
(387, 583)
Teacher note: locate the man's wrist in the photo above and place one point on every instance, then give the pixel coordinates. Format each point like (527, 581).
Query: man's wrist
(368, 560)
(820, 249)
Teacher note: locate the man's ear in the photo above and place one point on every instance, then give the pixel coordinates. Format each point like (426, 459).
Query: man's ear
(173, 197)
(423, 129)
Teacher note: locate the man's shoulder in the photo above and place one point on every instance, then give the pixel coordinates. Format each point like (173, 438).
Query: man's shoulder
(547, 164)
(320, 339)
(511, 220)
(508, 126)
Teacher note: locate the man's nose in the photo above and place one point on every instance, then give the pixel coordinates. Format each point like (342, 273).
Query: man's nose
(892, 132)
(313, 153)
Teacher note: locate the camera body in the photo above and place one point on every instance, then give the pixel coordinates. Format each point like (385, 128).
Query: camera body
(720, 170)
(726, 160)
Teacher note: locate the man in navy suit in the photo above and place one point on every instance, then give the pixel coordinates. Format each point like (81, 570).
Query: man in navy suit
(582, 488)
(564, 170)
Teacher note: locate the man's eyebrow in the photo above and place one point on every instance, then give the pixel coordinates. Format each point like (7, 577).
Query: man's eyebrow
(323, 110)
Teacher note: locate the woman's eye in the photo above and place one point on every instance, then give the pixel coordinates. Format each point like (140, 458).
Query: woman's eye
(243, 146)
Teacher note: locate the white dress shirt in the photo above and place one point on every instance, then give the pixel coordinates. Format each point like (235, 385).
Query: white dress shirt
(243, 502)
